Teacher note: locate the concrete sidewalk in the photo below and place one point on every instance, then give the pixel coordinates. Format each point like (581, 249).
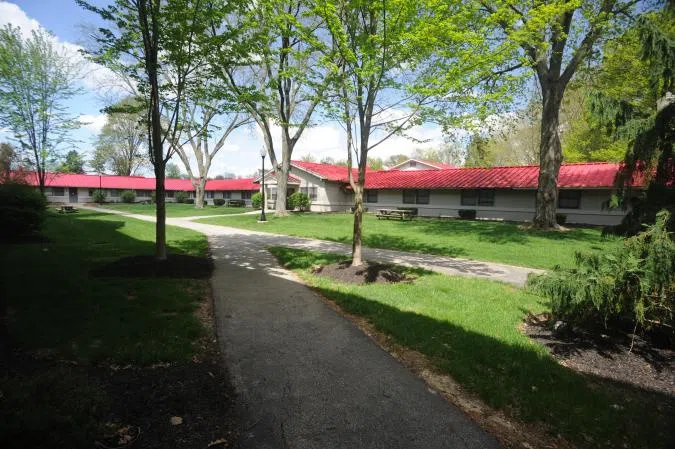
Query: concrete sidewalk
(446, 265)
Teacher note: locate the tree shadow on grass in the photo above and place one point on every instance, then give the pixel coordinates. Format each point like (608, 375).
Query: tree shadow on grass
(380, 240)
(592, 411)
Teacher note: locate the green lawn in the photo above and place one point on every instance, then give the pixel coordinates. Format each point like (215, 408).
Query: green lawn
(478, 240)
(69, 331)
(175, 210)
(469, 329)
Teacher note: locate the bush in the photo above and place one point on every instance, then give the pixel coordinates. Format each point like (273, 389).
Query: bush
(128, 196)
(256, 200)
(634, 283)
(467, 214)
(206, 202)
(181, 196)
(189, 201)
(299, 201)
(153, 197)
(219, 202)
(22, 209)
(561, 219)
(99, 196)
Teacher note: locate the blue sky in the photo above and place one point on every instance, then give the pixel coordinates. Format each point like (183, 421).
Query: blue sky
(241, 153)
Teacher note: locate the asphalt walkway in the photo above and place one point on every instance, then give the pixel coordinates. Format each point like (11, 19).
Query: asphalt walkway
(306, 377)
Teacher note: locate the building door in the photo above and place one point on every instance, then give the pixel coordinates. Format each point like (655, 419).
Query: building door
(72, 194)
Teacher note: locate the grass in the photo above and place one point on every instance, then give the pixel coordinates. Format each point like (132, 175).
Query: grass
(175, 210)
(478, 240)
(469, 329)
(68, 329)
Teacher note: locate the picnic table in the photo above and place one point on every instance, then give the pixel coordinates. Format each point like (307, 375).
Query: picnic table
(394, 214)
(66, 209)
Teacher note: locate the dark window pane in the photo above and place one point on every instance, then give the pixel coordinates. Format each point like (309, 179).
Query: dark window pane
(569, 199)
(423, 197)
(486, 197)
(312, 193)
(409, 197)
(246, 195)
(371, 196)
(469, 197)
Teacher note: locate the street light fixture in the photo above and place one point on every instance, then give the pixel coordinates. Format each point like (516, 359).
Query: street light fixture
(263, 219)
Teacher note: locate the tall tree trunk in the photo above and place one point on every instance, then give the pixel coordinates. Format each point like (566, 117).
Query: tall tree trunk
(550, 158)
(357, 258)
(282, 172)
(200, 187)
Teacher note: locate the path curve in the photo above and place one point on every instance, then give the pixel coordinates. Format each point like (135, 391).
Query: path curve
(305, 376)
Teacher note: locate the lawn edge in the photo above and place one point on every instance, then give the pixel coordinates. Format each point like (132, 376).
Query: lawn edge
(508, 430)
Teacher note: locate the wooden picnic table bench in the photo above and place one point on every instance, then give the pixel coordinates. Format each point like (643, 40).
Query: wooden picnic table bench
(394, 214)
(235, 203)
(66, 209)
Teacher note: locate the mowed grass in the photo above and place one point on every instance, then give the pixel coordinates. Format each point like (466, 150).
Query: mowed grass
(478, 240)
(469, 329)
(59, 310)
(174, 210)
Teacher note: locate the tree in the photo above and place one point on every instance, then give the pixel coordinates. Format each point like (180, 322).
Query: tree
(447, 153)
(395, 160)
(646, 119)
(36, 81)
(553, 40)
(8, 162)
(477, 152)
(375, 163)
(280, 84)
(173, 171)
(160, 45)
(73, 163)
(120, 146)
(309, 157)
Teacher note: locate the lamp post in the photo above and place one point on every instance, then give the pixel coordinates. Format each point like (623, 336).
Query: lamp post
(262, 209)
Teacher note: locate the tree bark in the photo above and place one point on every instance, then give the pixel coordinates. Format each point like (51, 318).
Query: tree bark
(357, 257)
(550, 158)
(200, 188)
(282, 172)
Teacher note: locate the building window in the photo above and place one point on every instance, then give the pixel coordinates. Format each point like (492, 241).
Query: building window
(371, 196)
(416, 196)
(209, 194)
(169, 193)
(57, 191)
(486, 197)
(569, 199)
(273, 194)
(310, 192)
(143, 193)
(227, 195)
(412, 163)
(245, 194)
(469, 197)
(114, 193)
(91, 192)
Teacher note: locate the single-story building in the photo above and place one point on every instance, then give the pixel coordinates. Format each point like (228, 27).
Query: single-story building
(507, 193)
(74, 188)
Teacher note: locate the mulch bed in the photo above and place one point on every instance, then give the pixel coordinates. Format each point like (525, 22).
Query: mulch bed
(608, 356)
(368, 273)
(176, 266)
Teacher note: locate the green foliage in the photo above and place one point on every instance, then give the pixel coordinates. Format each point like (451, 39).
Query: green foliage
(120, 144)
(98, 197)
(219, 202)
(22, 209)
(256, 200)
(635, 282)
(73, 163)
(189, 201)
(181, 196)
(128, 196)
(300, 201)
(173, 171)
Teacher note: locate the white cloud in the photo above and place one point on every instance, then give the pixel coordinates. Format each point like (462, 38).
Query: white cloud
(95, 77)
(93, 123)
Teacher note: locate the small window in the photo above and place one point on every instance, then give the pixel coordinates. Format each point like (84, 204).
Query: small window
(469, 197)
(312, 193)
(170, 193)
(57, 191)
(409, 197)
(209, 194)
(486, 197)
(273, 194)
(114, 193)
(371, 196)
(227, 195)
(91, 192)
(569, 199)
(245, 194)
(143, 193)
(423, 196)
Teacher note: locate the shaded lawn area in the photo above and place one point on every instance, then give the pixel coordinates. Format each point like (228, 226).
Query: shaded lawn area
(80, 343)
(477, 240)
(469, 329)
(175, 210)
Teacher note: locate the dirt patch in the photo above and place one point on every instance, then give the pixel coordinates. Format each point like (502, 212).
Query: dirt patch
(177, 266)
(368, 273)
(607, 355)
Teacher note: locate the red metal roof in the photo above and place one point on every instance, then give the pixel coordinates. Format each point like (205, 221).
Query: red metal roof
(586, 175)
(135, 182)
(327, 171)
